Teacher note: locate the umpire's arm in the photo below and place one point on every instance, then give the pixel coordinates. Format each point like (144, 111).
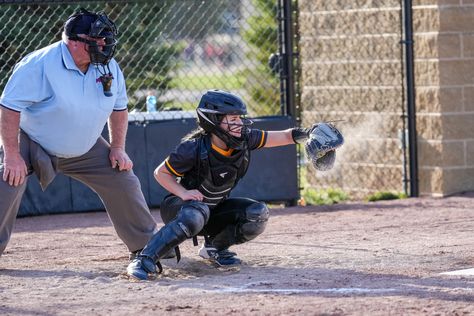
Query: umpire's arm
(14, 167)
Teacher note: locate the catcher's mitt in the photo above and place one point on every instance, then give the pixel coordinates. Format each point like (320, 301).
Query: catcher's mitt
(321, 145)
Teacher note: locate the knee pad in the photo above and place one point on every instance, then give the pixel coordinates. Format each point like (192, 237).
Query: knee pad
(192, 217)
(257, 215)
(189, 221)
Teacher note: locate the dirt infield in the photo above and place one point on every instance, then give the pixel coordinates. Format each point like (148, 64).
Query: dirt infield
(381, 258)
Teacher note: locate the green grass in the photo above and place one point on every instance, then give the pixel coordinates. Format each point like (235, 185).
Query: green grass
(183, 106)
(204, 82)
(384, 195)
(323, 197)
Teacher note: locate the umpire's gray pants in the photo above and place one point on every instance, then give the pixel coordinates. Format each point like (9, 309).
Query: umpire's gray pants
(120, 191)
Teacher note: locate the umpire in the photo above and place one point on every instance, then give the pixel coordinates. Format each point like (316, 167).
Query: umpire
(53, 110)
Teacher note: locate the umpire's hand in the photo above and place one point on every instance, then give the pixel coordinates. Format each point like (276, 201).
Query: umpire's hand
(119, 158)
(14, 169)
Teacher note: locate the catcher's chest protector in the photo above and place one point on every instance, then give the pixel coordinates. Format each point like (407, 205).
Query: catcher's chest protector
(219, 174)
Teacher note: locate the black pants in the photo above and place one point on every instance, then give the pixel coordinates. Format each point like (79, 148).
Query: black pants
(230, 212)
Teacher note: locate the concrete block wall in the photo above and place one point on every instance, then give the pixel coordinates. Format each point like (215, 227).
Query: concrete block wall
(444, 71)
(351, 69)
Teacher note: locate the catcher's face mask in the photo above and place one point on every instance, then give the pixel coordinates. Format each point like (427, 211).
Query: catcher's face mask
(234, 132)
(100, 32)
(235, 125)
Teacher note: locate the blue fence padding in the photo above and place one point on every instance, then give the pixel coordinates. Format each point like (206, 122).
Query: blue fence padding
(272, 175)
(83, 198)
(137, 151)
(159, 147)
(56, 199)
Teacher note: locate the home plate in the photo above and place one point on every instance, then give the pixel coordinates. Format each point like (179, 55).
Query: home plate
(460, 272)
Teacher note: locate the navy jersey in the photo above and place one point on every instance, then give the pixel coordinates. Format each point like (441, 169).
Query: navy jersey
(184, 158)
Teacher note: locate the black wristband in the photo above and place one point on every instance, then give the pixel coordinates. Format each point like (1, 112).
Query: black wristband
(299, 134)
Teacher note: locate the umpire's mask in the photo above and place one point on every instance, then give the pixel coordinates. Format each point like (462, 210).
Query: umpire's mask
(95, 25)
(214, 105)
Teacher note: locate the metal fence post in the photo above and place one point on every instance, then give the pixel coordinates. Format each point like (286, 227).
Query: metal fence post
(288, 56)
(410, 90)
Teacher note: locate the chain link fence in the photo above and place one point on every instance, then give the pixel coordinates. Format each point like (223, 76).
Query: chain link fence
(352, 74)
(173, 50)
(349, 68)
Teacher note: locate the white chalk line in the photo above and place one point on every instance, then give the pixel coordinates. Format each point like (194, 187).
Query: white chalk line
(460, 272)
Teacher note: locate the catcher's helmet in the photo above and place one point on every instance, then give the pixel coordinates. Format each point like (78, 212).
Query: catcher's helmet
(96, 25)
(212, 108)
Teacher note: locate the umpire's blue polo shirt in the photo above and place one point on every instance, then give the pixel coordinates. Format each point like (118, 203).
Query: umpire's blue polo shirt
(62, 109)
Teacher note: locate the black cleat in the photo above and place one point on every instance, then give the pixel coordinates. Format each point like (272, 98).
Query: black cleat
(220, 257)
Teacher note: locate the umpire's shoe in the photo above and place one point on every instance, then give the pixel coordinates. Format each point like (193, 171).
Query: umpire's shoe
(142, 267)
(220, 257)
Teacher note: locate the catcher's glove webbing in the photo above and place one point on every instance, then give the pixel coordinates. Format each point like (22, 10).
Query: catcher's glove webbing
(321, 145)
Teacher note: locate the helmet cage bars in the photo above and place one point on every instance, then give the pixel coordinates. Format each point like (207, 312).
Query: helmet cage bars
(101, 27)
(234, 127)
(212, 109)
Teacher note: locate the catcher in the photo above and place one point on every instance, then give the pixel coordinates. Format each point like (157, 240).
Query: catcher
(208, 163)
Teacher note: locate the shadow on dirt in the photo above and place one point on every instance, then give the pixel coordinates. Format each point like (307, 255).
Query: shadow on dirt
(324, 283)
(65, 273)
(198, 276)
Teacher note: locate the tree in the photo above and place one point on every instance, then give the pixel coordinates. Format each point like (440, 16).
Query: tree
(262, 35)
(147, 54)
(26, 28)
